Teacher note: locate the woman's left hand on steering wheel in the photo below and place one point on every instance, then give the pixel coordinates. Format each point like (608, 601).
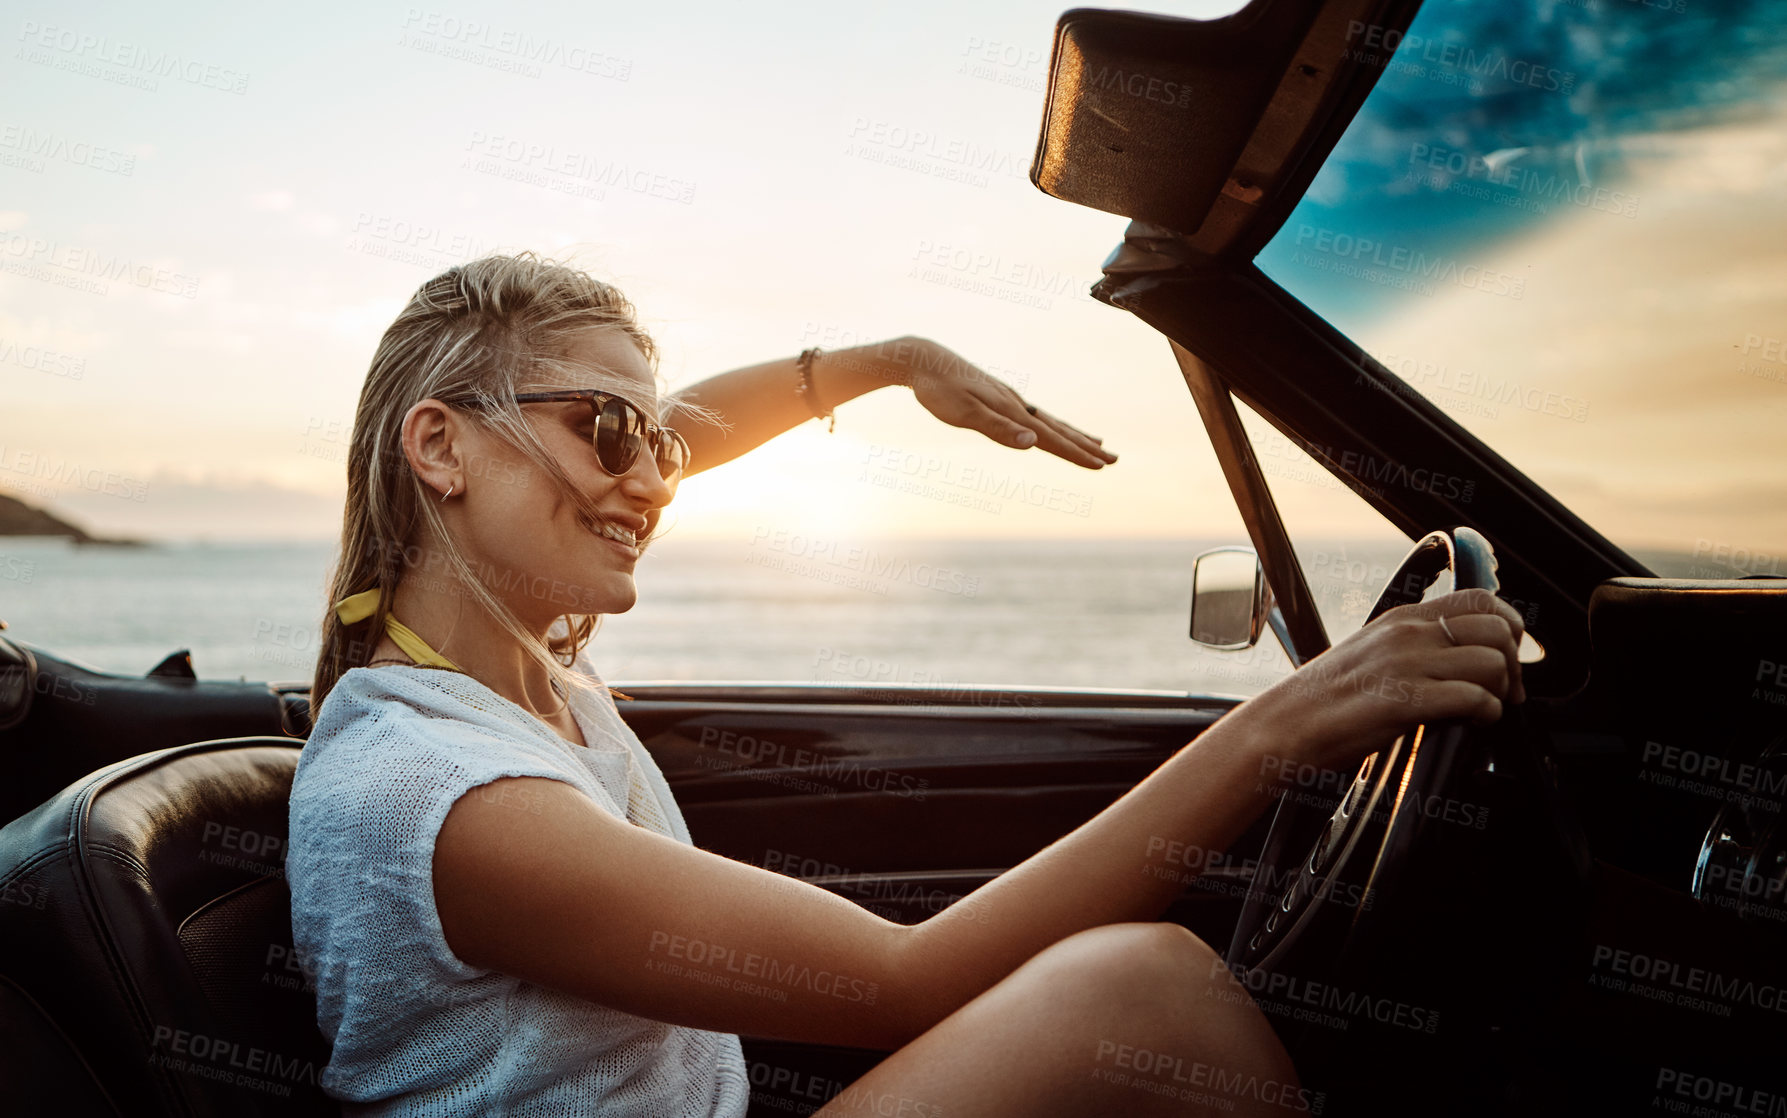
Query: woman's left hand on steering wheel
(1454, 657)
(963, 395)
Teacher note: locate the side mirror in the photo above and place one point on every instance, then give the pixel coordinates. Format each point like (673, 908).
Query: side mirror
(1231, 602)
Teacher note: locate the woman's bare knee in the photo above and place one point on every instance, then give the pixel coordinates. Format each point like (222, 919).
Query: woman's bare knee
(1131, 964)
(1160, 1010)
(1134, 1019)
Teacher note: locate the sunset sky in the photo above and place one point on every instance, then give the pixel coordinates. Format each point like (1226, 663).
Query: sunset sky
(298, 174)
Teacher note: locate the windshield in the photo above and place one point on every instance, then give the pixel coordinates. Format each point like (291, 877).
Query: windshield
(1564, 224)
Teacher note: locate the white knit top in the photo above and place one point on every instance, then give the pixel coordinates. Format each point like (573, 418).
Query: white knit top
(416, 1031)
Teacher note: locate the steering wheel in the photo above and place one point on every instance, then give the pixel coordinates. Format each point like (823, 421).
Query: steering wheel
(1323, 877)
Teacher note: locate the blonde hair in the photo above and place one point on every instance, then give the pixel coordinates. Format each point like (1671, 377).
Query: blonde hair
(467, 338)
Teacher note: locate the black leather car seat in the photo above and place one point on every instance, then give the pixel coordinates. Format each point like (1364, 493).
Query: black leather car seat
(146, 960)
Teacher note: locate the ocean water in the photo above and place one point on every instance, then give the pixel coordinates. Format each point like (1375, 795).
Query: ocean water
(1090, 613)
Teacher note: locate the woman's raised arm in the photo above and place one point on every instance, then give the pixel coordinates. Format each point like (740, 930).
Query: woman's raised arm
(759, 402)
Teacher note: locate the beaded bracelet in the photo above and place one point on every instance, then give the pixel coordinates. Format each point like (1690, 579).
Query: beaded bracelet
(805, 388)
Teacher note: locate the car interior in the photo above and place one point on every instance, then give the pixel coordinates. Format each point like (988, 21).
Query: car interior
(1452, 929)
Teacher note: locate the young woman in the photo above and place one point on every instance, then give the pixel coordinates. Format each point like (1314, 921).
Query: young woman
(491, 882)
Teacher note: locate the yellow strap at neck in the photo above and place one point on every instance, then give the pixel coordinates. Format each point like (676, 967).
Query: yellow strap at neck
(358, 607)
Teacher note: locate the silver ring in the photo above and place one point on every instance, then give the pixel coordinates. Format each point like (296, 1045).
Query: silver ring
(449, 492)
(1448, 630)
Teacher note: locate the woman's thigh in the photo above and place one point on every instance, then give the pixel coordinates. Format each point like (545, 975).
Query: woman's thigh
(1132, 1019)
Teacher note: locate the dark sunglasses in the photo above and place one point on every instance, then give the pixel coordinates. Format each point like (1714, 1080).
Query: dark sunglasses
(621, 428)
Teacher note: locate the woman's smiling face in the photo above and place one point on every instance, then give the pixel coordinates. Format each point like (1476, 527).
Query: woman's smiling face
(543, 556)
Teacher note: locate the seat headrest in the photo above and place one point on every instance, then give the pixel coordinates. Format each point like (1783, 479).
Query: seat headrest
(157, 938)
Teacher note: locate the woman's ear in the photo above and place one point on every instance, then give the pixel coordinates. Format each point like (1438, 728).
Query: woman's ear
(431, 434)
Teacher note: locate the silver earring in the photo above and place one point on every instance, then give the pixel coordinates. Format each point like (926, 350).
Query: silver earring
(448, 493)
